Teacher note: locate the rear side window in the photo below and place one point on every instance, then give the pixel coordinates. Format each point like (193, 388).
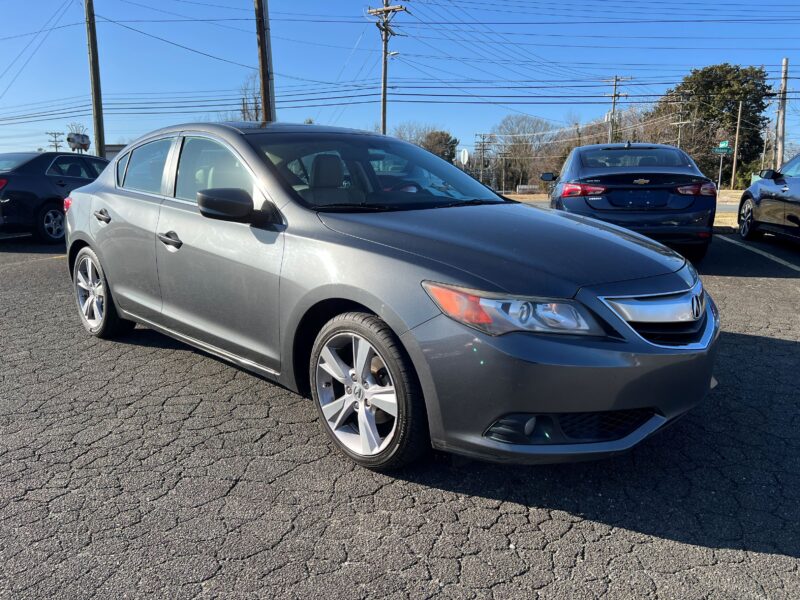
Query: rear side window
(206, 164)
(69, 166)
(12, 161)
(146, 167)
(121, 164)
(612, 158)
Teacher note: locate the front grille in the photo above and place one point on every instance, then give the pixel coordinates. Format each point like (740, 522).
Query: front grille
(672, 334)
(567, 428)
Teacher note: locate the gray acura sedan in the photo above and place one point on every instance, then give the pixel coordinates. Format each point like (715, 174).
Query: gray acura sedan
(415, 306)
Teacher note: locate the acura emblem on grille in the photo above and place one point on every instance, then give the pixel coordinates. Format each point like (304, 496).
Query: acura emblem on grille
(697, 306)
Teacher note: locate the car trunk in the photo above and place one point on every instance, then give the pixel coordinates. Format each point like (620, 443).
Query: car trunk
(640, 190)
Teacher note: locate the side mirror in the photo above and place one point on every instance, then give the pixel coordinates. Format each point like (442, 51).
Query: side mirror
(226, 204)
(768, 174)
(547, 177)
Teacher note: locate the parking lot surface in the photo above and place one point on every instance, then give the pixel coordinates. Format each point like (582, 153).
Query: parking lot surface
(142, 466)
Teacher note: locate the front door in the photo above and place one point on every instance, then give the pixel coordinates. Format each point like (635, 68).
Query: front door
(219, 280)
(791, 177)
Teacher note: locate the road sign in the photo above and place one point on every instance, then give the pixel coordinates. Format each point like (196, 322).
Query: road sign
(724, 144)
(722, 150)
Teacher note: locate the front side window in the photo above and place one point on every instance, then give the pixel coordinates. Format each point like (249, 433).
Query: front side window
(96, 165)
(612, 158)
(206, 164)
(366, 172)
(792, 168)
(69, 166)
(146, 166)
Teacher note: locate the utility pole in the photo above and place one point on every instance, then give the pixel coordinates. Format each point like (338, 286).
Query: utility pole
(94, 73)
(385, 16)
(614, 96)
(55, 138)
(780, 126)
(267, 88)
(736, 145)
(681, 122)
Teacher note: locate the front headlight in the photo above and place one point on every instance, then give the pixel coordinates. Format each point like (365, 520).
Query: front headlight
(496, 314)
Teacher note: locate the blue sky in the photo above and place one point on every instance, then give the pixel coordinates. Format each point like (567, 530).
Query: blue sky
(328, 53)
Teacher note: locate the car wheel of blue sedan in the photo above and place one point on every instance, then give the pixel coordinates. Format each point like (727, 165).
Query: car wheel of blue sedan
(366, 393)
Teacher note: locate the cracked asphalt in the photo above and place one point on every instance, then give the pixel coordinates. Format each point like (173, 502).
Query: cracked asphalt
(142, 467)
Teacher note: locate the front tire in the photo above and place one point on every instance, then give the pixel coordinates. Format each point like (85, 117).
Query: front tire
(366, 393)
(50, 224)
(748, 228)
(95, 304)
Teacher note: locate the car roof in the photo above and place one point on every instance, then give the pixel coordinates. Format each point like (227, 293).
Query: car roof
(31, 154)
(625, 146)
(254, 127)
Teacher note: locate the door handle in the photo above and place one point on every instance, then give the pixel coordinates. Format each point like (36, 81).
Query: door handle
(170, 239)
(61, 183)
(102, 215)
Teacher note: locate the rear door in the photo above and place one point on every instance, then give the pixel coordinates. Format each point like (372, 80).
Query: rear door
(123, 224)
(219, 280)
(791, 196)
(66, 173)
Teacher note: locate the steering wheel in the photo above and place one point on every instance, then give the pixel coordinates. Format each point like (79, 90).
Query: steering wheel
(411, 187)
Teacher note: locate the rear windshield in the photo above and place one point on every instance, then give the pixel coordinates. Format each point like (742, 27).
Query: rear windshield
(612, 158)
(12, 161)
(339, 171)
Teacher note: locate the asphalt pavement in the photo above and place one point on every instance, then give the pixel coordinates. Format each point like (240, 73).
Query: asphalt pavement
(143, 467)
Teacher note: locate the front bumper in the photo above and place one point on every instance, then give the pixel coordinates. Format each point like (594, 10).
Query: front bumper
(472, 380)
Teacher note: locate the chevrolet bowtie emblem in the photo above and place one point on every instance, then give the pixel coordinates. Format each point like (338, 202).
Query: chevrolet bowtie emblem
(641, 181)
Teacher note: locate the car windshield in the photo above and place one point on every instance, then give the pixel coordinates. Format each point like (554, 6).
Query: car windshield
(613, 158)
(12, 161)
(367, 172)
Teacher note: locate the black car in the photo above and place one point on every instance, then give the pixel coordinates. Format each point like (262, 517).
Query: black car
(653, 189)
(33, 186)
(772, 203)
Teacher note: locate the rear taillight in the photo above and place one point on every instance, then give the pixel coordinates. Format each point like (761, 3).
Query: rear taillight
(67, 203)
(571, 190)
(3, 183)
(698, 189)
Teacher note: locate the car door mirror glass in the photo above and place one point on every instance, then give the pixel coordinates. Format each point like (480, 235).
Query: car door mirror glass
(226, 204)
(547, 177)
(768, 174)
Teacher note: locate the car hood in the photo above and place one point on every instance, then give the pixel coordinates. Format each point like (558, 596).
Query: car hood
(519, 248)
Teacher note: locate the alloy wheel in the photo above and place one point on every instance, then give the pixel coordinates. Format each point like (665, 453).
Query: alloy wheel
(356, 394)
(745, 219)
(53, 223)
(91, 292)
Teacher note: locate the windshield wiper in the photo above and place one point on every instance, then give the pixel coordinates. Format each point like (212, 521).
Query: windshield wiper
(348, 207)
(469, 203)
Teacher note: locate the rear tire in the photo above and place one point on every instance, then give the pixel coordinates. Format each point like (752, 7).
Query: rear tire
(96, 306)
(748, 226)
(50, 224)
(355, 408)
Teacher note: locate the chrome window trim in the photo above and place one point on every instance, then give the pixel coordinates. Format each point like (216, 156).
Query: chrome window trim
(711, 327)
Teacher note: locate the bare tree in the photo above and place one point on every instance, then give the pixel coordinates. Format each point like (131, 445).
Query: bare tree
(414, 132)
(250, 109)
